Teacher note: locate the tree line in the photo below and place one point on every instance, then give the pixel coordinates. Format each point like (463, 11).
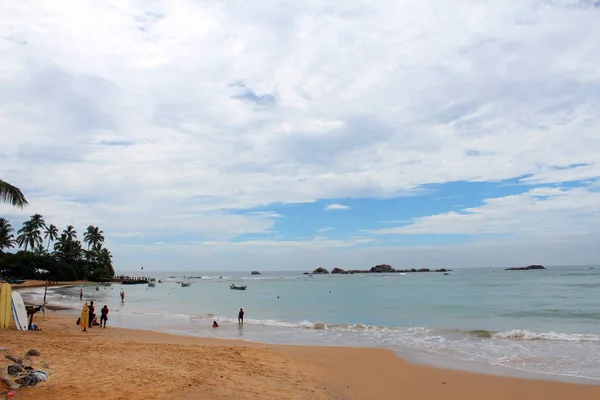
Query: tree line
(63, 258)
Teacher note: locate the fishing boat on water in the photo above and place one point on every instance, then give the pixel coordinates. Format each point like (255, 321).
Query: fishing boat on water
(185, 284)
(233, 286)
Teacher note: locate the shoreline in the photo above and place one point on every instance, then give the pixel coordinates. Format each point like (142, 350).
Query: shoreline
(135, 364)
(407, 354)
(31, 284)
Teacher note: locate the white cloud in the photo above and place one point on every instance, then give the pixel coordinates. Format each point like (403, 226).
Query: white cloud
(336, 207)
(540, 211)
(324, 229)
(266, 214)
(124, 115)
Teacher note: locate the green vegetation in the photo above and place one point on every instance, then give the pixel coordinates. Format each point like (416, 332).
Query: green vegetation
(67, 260)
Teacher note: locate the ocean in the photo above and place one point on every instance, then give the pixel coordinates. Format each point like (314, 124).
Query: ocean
(540, 321)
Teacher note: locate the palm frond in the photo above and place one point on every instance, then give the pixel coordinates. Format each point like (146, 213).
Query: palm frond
(12, 195)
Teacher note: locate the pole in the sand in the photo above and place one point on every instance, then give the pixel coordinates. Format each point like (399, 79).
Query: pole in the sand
(45, 291)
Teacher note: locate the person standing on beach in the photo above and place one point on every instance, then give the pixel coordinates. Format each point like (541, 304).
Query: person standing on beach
(103, 316)
(80, 294)
(90, 314)
(122, 296)
(241, 316)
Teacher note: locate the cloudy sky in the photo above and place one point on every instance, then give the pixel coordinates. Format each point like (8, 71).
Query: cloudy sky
(294, 134)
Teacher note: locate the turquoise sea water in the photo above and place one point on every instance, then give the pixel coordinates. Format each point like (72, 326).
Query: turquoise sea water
(545, 321)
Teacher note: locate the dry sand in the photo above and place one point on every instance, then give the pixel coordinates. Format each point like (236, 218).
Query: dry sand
(117, 363)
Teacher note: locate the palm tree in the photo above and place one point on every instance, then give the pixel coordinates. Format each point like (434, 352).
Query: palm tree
(29, 236)
(105, 259)
(70, 232)
(93, 236)
(37, 221)
(12, 195)
(66, 249)
(50, 233)
(6, 236)
(39, 250)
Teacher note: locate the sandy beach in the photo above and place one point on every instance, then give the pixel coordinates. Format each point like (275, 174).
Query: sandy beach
(116, 363)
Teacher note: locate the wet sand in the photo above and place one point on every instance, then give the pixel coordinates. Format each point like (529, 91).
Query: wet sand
(116, 363)
(38, 283)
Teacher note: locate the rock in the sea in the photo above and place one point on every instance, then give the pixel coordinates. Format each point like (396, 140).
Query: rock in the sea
(423, 270)
(525, 268)
(254, 273)
(337, 270)
(382, 268)
(441, 270)
(320, 270)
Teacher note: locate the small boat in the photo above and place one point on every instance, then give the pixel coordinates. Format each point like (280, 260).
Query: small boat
(233, 286)
(13, 281)
(185, 284)
(445, 273)
(151, 284)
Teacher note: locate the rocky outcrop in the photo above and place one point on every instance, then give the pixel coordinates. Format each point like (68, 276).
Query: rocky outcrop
(337, 270)
(382, 268)
(525, 268)
(320, 270)
(387, 268)
(254, 273)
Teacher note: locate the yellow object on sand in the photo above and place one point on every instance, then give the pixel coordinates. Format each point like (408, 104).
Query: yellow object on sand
(5, 304)
(85, 312)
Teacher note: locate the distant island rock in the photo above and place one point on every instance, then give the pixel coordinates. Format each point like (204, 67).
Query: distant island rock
(254, 273)
(382, 268)
(337, 270)
(525, 268)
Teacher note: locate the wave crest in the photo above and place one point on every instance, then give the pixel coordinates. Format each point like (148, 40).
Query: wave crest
(523, 334)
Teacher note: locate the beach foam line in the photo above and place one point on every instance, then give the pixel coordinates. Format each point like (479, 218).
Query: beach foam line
(523, 334)
(515, 334)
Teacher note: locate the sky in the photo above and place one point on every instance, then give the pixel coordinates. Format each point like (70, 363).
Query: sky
(282, 135)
